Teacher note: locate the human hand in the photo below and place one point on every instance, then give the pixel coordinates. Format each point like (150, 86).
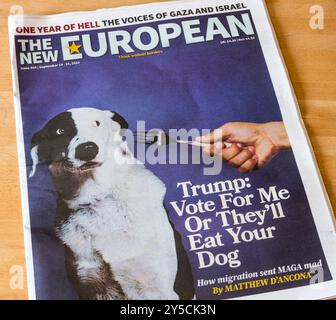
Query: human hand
(253, 144)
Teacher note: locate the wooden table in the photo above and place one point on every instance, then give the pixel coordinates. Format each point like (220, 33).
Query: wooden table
(310, 57)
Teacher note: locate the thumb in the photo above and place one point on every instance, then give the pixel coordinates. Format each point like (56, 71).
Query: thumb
(221, 133)
(265, 151)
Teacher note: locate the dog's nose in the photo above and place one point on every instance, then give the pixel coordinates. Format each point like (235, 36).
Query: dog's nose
(86, 151)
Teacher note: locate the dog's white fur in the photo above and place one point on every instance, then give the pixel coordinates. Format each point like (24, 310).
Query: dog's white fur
(120, 214)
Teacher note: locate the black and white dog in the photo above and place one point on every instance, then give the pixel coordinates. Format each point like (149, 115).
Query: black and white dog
(110, 216)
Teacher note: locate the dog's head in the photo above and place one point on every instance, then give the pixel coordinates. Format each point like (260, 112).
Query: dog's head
(77, 140)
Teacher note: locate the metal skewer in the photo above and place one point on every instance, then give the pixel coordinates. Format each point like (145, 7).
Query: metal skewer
(161, 138)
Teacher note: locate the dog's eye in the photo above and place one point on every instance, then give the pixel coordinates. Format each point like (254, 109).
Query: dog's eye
(60, 131)
(97, 123)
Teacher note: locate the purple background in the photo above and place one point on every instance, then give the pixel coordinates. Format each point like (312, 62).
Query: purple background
(188, 86)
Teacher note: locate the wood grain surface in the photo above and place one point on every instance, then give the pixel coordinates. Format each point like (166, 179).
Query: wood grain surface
(310, 56)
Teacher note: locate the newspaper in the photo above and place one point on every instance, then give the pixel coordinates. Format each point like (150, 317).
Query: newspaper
(162, 156)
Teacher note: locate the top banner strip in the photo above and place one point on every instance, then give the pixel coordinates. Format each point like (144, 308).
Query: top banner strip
(118, 17)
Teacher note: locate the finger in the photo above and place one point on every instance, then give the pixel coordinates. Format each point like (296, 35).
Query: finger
(214, 149)
(241, 157)
(221, 150)
(209, 150)
(249, 165)
(215, 135)
(252, 149)
(231, 152)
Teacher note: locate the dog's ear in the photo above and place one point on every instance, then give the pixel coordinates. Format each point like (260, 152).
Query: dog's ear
(36, 141)
(118, 118)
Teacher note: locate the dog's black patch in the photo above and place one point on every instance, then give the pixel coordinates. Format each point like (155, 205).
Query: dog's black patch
(53, 140)
(118, 118)
(63, 212)
(98, 285)
(67, 183)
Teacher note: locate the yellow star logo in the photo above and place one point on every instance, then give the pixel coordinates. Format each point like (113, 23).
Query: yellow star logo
(74, 48)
